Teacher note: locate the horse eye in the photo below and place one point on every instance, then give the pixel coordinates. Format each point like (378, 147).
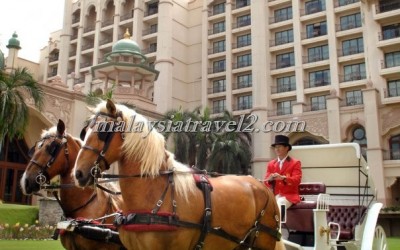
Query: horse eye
(40, 144)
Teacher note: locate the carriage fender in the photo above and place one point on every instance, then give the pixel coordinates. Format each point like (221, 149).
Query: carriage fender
(369, 229)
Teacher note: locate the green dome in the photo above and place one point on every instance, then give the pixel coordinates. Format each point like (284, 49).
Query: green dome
(126, 45)
(1, 60)
(13, 42)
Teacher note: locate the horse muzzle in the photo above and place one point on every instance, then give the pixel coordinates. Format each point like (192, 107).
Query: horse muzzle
(83, 180)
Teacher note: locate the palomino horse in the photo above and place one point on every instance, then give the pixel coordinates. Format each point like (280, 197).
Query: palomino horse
(164, 208)
(55, 154)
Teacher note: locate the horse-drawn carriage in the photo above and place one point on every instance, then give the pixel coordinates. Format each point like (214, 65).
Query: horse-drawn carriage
(170, 206)
(339, 210)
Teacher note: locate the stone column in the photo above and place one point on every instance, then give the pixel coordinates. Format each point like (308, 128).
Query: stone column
(333, 113)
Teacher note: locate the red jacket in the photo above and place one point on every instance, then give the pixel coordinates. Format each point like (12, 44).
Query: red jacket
(290, 186)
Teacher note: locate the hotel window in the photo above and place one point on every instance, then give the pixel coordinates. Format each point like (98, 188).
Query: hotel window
(283, 14)
(153, 28)
(285, 60)
(219, 106)
(283, 37)
(391, 31)
(242, 3)
(319, 78)
(388, 5)
(394, 88)
(219, 46)
(346, 2)
(244, 81)
(318, 53)
(219, 8)
(218, 27)
(394, 143)
(392, 59)
(219, 66)
(152, 8)
(318, 103)
(316, 29)
(245, 102)
(350, 21)
(219, 85)
(354, 72)
(153, 47)
(243, 40)
(353, 46)
(354, 98)
(243, 21)
(314, 6)
(360, 138)
(244, 61)
(284, 108)
(285, 84)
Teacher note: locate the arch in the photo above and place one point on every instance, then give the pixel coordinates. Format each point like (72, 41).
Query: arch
(306, 138)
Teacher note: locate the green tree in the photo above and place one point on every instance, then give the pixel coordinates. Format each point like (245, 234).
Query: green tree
(14, 112)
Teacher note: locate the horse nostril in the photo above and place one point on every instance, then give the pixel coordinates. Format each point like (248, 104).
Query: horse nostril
(78, 174)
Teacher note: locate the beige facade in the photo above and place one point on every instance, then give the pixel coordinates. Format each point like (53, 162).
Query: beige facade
(334, 65)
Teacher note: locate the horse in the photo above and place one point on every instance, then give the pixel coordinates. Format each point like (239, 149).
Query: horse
(55, 154)
(165, 208)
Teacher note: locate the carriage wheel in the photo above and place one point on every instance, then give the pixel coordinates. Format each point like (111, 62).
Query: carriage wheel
(380, 242)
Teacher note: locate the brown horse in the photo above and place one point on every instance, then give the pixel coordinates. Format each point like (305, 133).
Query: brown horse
(164, 208)
(55, 154)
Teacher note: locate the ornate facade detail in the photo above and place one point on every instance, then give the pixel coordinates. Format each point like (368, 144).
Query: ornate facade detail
(57, 108)
(390, 119)
(317, 126)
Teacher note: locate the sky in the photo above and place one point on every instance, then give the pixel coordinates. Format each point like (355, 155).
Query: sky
(33, 20)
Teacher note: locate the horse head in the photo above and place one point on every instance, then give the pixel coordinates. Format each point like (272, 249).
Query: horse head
(49, 157)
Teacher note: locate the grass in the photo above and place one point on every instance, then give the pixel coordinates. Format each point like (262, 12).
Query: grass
(393, 243)
(30, 244)
(12, 214)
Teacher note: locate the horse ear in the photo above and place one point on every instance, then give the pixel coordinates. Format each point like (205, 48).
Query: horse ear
(83, 133)
(111, 107)
(60, 127)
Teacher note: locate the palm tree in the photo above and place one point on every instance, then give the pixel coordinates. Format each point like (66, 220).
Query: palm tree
(204, 139)
(15, 87)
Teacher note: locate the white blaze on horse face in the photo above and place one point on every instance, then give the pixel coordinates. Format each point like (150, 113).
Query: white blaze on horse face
(22, 182)
(88, 132)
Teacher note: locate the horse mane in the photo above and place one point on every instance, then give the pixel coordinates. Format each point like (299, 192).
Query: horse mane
(147, 147)
(53, 132)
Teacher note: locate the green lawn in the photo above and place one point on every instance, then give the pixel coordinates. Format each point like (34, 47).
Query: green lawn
(11, 214)
(393, 243)
(30, 244)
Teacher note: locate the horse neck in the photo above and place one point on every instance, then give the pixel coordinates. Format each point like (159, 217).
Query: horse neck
(74, 197)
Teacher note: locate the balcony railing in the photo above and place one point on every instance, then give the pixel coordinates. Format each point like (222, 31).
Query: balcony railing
(387, 6)
(282, 64)
(350, 51)
(316, 57)
(316, 83)
(282, 88)
(315, 33)
(88, 29)
(391, 154)
(351, 101)
(151, 12)
(79, 80)
(53, 58)
(241, 64)
(218, 109)
(126, 16)
(214, 12)
(356, 76)
(243, 106)
(75, 20)
(389, 34)
(339, 3)
(280, 18)
(241, 85)
(391, 92)
(347, 26)
(86, 46)
(85, 64)
(149, 50)
(73, 37)
(241, 4)
(281, 40)
(105, 41)
(216, 70)
(216, 49)
(241, 24)
(216, 30)
(51, 74)
(241, 44)
(72, 53)
(311, 10)
(107, 22)
(214, 90)
(385, 65)
(150, 31)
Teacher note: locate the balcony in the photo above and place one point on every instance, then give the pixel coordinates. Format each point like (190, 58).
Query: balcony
(355, 76)
(243, 106)
(85, 65)
(216, 70)
(51, 74)
(241, 44)
(391, 155)
(216, 11)
(88, 29)
(386, 65)
(351, 101)
(347, 26)
(216, 49)
(242, 85)
(240, 4)
(242, 23)
(218, 109)
(279, 18)
(386, 6)
(105, 41)
(72, 53)
(149, 50)
(241, 64)
(317, 83)
(352, 50)
(282, 64)
(73, 37)
(53, 58)
(87, 46)
(126, 16)
(313, 34)
(152, 30)
(75, 20)
(218, 89)
(216, 30)
(282, 88)
(151, 12)
(281, 40)
(389, 34)
(316, 57)
(311, 10)
(107, 23)
(340, 3)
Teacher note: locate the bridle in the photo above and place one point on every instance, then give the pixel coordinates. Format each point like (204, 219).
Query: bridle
(105, 136)
(53, 149)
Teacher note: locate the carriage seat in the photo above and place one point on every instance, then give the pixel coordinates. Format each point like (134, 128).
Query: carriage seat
(300, 216)
(347, 217)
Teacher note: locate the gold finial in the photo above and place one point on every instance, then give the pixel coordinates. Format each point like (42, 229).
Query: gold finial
(127, 35)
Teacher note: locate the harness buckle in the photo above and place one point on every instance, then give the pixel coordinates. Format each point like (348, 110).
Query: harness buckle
(159, 203)
(95, 171)
(41, 179)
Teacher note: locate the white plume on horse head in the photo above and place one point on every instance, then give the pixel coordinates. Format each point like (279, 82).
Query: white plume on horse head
(147, 146)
